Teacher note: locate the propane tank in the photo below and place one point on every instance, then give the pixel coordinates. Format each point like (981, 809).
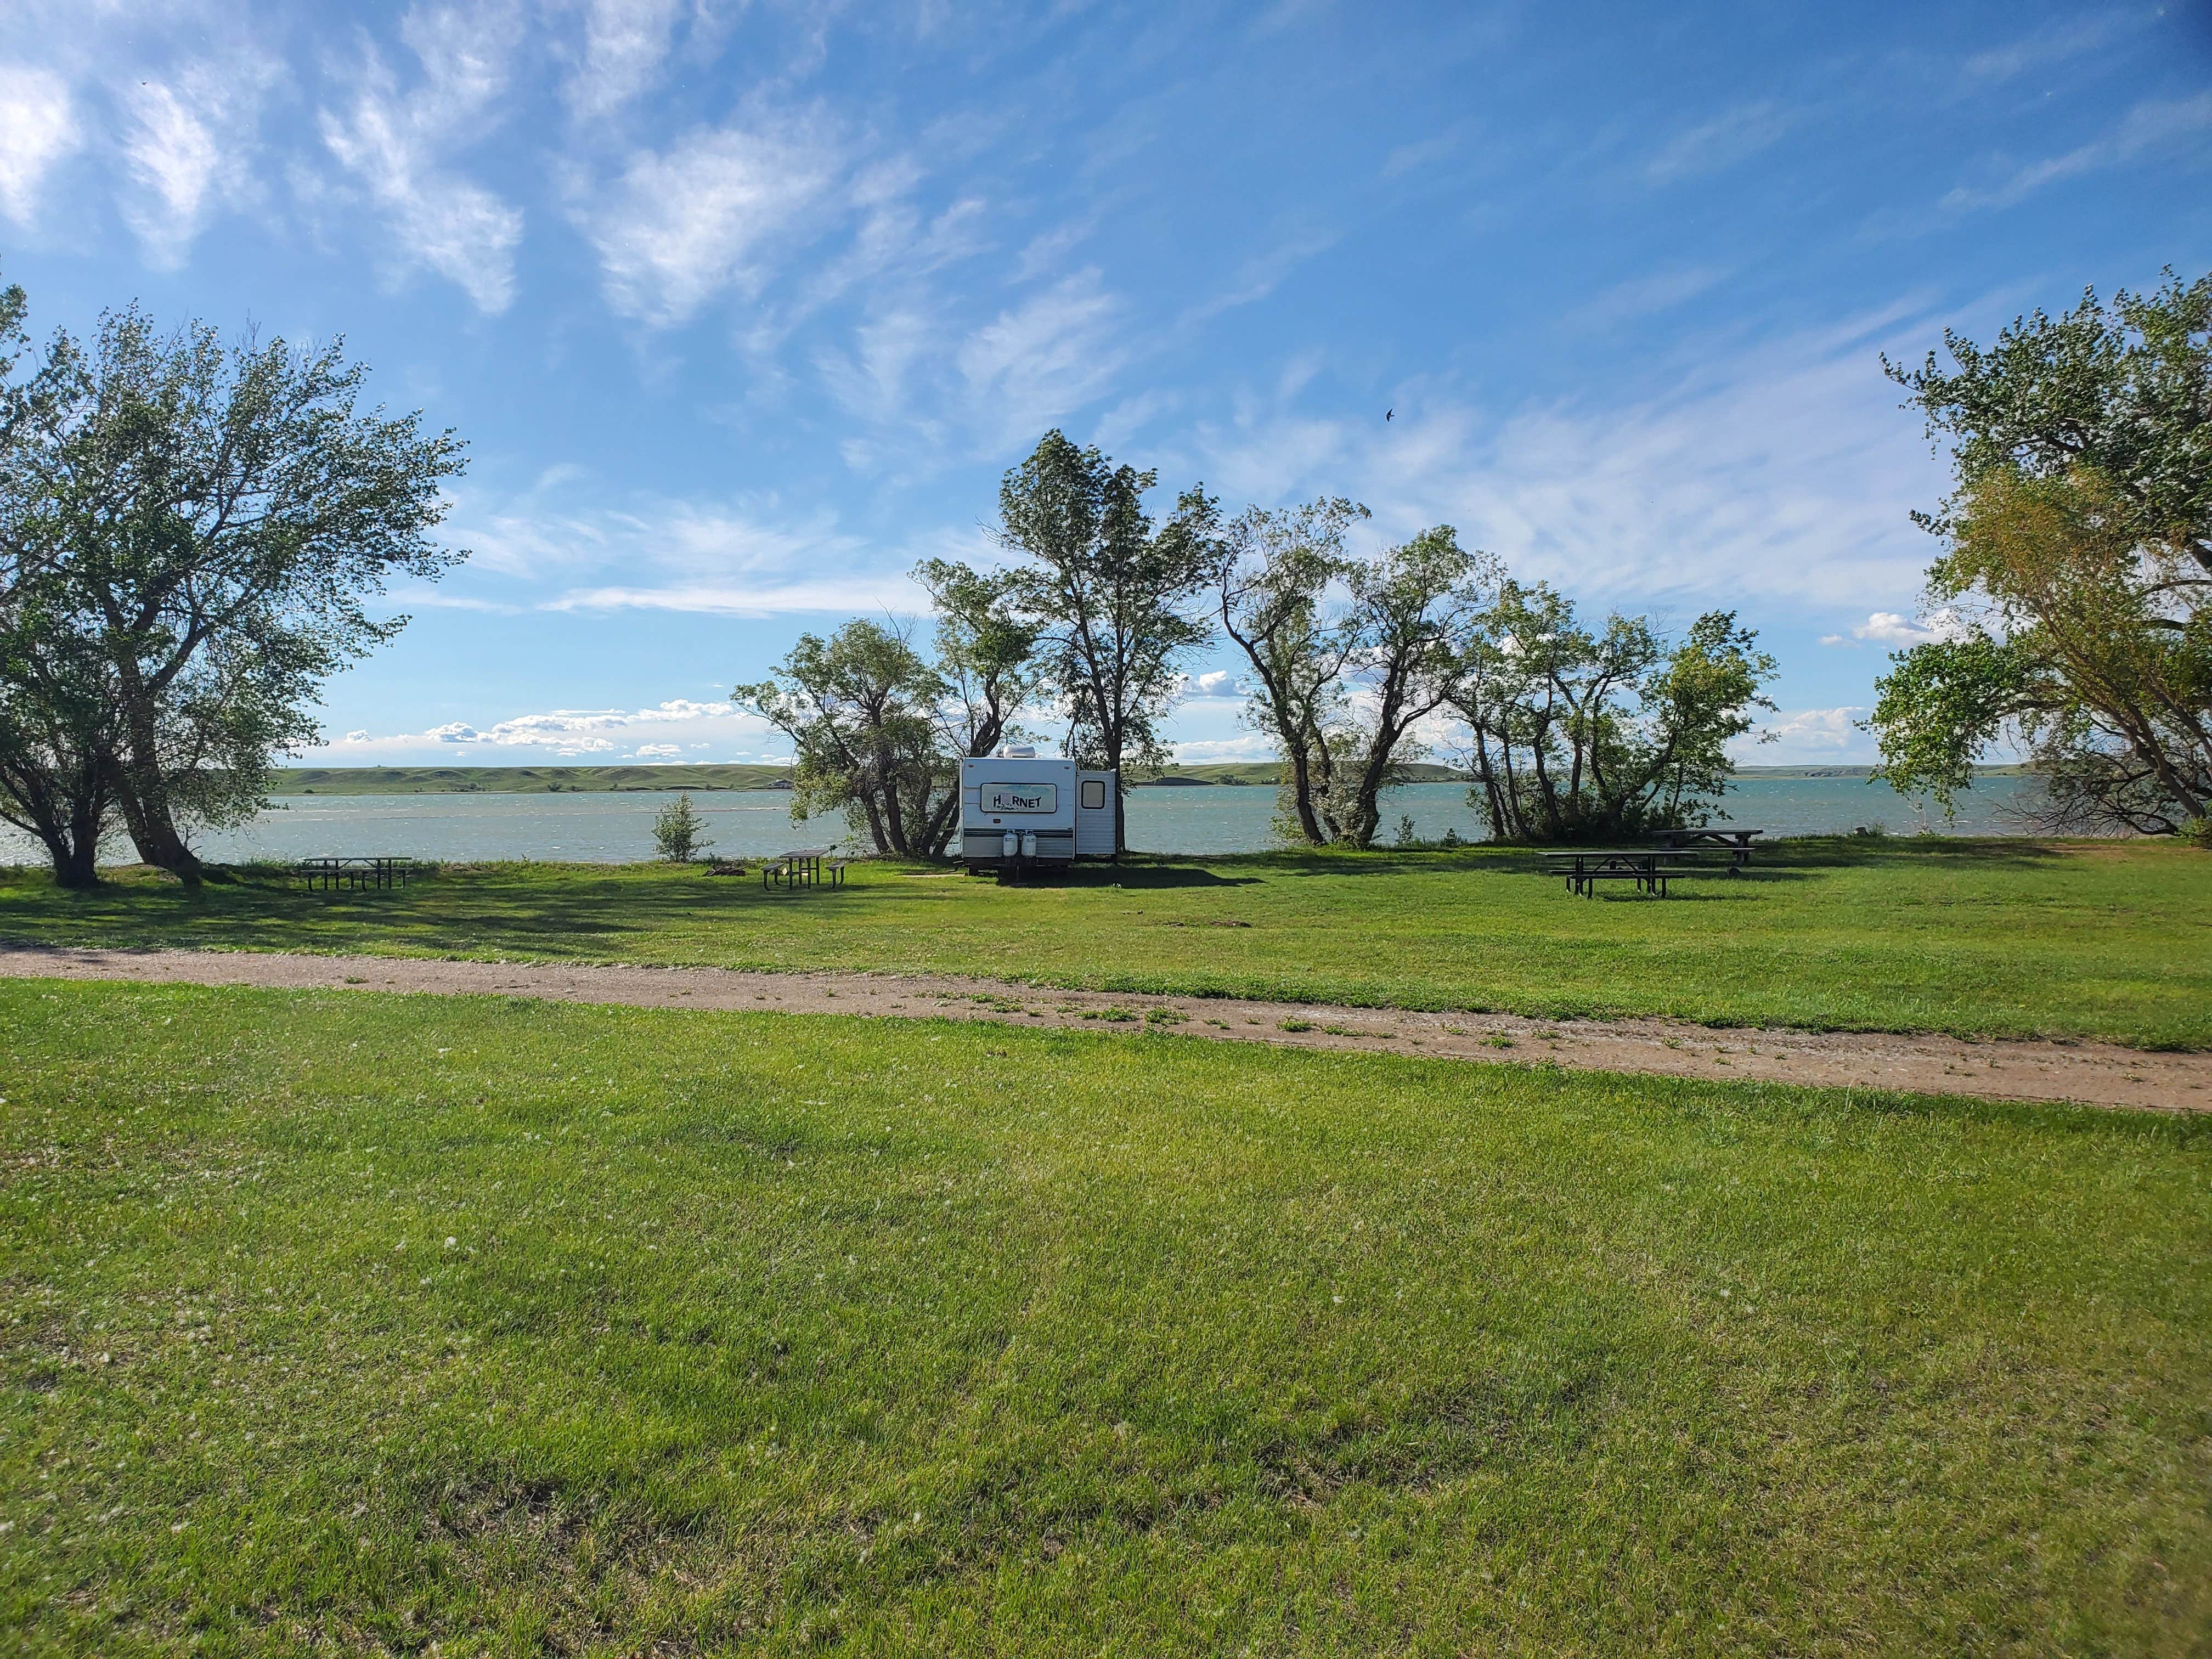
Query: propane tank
(1029, 843)
(1012, 844)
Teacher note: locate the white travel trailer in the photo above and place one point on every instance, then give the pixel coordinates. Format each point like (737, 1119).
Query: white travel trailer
(1020, 812)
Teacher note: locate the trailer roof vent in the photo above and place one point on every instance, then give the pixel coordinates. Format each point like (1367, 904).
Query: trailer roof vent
(1027, 751)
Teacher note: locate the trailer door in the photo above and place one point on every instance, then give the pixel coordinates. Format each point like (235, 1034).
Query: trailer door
(1094, 815)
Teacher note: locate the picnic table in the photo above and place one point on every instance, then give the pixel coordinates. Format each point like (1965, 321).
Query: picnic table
(802, 867)
(1585, 866)
(1737, 842)
(375, 870)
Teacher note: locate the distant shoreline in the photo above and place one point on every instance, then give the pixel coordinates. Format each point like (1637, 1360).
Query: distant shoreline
(705, 779)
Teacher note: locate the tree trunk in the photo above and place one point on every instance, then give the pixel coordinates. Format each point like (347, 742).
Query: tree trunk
(1302, 792)
(139, 792)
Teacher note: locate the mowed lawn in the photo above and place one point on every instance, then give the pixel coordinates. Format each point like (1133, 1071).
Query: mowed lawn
(364, 1323)
(2071, 939)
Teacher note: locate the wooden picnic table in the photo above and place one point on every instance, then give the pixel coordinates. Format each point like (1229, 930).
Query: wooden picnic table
(1586, 867)
(1736, 843)
(802, 867)
(375, 870)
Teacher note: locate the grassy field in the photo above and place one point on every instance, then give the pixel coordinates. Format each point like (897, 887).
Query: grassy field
(1976, 938)
(360, 1322)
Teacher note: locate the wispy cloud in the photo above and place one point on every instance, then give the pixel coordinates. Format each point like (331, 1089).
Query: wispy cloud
(1411, 158)
(38, 128)
(1259, 276)
(1040, 256)
(2153, 128)
(1736, 135)
(398, 146)
(2059, 44)
(861, 592)
(707, 214)
(625, 43)
(1779, 471)
(191, 147)
(1646, 296)
(653, 554)
(1042, 359)
(661, 732)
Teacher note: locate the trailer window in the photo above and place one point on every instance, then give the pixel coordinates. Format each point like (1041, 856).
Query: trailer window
(1094, 794)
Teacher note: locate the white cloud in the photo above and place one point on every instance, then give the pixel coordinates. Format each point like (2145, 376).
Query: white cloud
(624, 44)
(2155, 127)
(1782, 470)
(1260, 275)
(1644, 297)
(707, 214)
(1041, 255)
(189, 149)
(38, 128)
(1248, 746)
(871, 382)
(843, 596)
(654, 734)
(1803, 736)
(1890, 628)
(1219, 682)
(1736, 135)
(1130, 417)
(397, 148)
(2055, 44)
(1041, 361)
(1409, 158)
(724, 558)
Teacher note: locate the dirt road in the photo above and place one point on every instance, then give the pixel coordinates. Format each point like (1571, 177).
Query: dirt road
(2092, 1074)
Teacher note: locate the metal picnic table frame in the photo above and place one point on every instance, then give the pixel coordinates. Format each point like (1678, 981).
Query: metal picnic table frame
(1735, 842)
(802, 867)
(377, 870)
(1586, 867)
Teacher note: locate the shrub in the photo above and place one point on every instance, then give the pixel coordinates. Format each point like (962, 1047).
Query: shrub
(678, 831)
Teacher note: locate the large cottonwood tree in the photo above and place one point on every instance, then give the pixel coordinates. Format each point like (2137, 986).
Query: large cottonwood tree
(217, 524)
(1114, 597)
(2077, 584)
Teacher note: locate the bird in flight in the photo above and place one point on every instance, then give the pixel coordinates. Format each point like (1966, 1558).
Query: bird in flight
(1386, 414)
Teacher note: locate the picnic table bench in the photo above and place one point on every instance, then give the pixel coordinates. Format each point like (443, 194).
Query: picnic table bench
(372, 871)
(1736, 843)
(1585, 866)
(802, 867)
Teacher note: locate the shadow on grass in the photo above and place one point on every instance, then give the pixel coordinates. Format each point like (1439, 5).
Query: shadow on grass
(1139, 878)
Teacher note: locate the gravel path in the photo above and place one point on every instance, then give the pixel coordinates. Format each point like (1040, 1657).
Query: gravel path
(2092, 1074)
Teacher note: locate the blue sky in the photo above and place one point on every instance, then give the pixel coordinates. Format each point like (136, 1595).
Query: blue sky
(745, 308)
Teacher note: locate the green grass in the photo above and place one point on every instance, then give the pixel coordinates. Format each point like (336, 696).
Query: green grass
(1977, 938)
(358, 1323)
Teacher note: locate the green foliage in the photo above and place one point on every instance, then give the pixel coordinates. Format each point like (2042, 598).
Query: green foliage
(1275, 569)
(209, 526)
(987, 655)
(1393, 642)
(1110, 596)
(1940, 707)
(2079, 574)
(1584, 735)
(779, 1335)
(861, 709)
(679, 832)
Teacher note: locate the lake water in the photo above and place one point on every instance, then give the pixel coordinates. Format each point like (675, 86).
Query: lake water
(1198, 819)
